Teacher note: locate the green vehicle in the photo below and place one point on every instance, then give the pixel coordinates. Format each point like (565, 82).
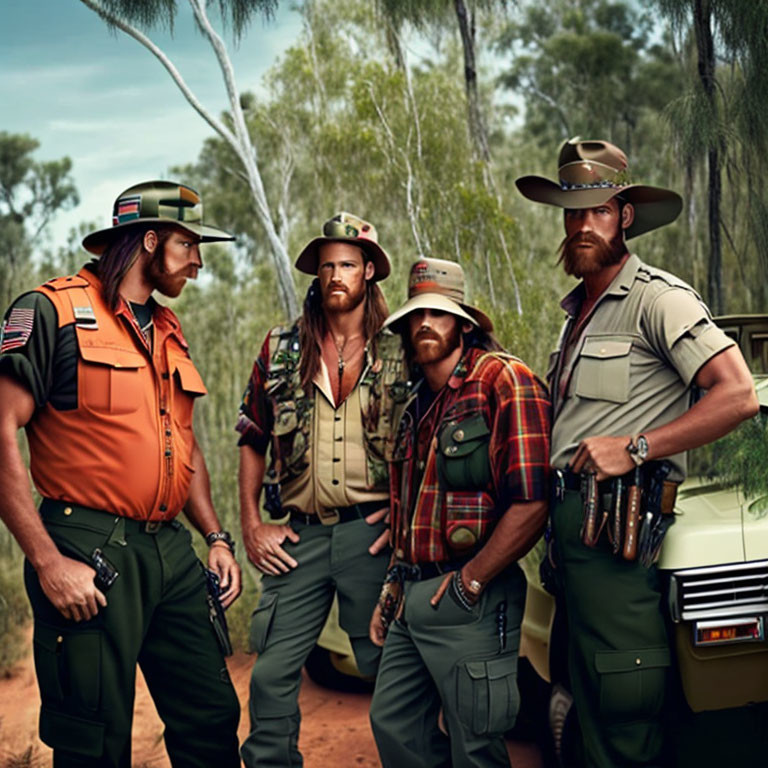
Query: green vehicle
(715, 559)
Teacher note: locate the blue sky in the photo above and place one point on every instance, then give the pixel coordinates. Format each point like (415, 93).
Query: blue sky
(102, 99)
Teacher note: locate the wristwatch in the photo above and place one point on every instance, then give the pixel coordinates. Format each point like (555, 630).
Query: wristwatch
(638, 449)
(224, 536)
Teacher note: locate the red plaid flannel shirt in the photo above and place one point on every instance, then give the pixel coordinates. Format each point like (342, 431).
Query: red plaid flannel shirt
(515, 406)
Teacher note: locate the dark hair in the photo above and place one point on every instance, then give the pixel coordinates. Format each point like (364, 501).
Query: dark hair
(312, 326)
(120, 255)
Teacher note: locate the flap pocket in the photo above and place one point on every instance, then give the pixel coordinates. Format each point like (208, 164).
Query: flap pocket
(460, 438)
(487, 693)
(605, 348)
(189, 378)
(607, 662)
(114, 357)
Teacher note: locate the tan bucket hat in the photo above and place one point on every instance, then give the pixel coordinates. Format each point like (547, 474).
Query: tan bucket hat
(164, 202)
(346, 228)
(437, 284)
(593, 172)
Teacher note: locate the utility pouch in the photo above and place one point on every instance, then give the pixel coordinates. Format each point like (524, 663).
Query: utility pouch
(216, 611)
(462, 456)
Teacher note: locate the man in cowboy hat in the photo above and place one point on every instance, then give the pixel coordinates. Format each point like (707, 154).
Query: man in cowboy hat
(635, 343)
(99, 375)
(469, 486)
(319, 398)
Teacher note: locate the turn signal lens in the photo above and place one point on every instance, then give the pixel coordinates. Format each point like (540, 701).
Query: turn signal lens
(746, 630)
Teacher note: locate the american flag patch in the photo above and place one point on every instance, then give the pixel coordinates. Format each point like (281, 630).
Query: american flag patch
(126, 209)
(17, 329)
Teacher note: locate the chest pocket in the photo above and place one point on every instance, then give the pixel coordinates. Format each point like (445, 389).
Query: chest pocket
(189, 385)
(462, 454)
(602, 370)
(110, 380)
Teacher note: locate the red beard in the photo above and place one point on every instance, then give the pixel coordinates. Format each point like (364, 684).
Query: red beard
(579, 261)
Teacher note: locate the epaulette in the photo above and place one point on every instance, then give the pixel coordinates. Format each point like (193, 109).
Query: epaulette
(648, 274)
(62, 283)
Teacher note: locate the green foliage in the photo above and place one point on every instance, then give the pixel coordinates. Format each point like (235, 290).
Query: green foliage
(162, 13)
(31, 193)
(14, 609)
(741, 460)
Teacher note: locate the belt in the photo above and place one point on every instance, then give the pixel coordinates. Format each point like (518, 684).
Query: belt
(337, 515)
(67, 512)
(424, 571)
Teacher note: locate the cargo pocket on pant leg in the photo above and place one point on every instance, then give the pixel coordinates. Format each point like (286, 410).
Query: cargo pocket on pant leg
(488, 698)
(261, 622)
(68, 666)
(632, 683)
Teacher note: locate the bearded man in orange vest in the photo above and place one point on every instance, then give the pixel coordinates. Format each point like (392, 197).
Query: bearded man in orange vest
(100, 377)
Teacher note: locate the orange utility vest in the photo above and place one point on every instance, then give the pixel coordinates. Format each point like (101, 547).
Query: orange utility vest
(127, 447)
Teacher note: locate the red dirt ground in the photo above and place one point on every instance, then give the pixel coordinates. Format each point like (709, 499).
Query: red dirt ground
(334, 730)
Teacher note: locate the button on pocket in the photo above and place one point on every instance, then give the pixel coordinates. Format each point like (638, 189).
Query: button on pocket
(602, 370)
(632, 683)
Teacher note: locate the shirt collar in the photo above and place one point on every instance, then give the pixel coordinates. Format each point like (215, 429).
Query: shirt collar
(619, 286)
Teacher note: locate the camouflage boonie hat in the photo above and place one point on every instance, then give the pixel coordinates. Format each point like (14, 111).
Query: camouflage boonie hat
(163, 202)
(593, 172)
(437, 284)
(346, 228)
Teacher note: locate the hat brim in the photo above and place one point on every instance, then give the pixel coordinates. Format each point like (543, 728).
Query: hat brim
(308, 258)
(439, 302)
(654, 206)
(96, 242)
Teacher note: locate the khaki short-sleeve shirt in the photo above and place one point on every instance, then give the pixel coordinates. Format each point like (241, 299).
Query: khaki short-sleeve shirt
(633, 366)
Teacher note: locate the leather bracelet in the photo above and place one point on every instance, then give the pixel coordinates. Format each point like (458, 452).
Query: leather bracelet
(458, 588)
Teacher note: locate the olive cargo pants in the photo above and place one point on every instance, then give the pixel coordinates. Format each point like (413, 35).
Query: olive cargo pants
(289, 618)
(157, 616)
(452, 659)
(619, 655)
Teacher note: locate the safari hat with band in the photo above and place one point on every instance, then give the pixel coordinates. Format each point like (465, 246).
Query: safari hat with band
(593, 172)
(161, 202)
(346, 228)
(437, 284)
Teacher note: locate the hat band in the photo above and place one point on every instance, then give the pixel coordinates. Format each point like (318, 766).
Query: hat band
(455, 294)
(568, 185)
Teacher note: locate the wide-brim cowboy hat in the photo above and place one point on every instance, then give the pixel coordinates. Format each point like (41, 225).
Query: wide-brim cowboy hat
(346, 228)
(437, 284)
(156, 202)
(593, 172)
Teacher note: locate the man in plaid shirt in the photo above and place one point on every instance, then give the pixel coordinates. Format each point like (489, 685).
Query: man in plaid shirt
(468, 481)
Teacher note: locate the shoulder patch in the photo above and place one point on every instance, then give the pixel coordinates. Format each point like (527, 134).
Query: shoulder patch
(16, 329)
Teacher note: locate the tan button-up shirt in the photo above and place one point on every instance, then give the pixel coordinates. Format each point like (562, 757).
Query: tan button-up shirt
(337, 467)
(632, 367)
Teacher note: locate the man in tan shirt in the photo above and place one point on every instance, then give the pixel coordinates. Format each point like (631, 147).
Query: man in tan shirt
(319, 404)
(635, 343)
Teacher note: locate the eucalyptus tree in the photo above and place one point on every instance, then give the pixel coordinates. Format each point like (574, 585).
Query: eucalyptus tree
(31, 193)
(135, 18)
(723, 114)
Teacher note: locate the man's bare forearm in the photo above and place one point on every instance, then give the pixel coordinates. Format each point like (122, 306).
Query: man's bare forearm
(514, 535)
(250, 480)
(199, 507)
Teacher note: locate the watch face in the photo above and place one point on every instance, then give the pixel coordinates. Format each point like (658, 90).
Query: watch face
(642, 447)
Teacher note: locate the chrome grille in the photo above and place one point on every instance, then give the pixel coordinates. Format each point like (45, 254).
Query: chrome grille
(717, 591)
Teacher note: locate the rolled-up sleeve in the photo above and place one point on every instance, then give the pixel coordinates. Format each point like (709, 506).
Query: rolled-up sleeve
(681, 329)
(519, 448)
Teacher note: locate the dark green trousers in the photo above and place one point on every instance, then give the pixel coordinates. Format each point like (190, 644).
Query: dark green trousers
(157, 617)
(618, 650)
(451, 659)
(289, 618)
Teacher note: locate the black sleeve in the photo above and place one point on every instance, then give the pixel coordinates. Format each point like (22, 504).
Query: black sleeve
(28, 344)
